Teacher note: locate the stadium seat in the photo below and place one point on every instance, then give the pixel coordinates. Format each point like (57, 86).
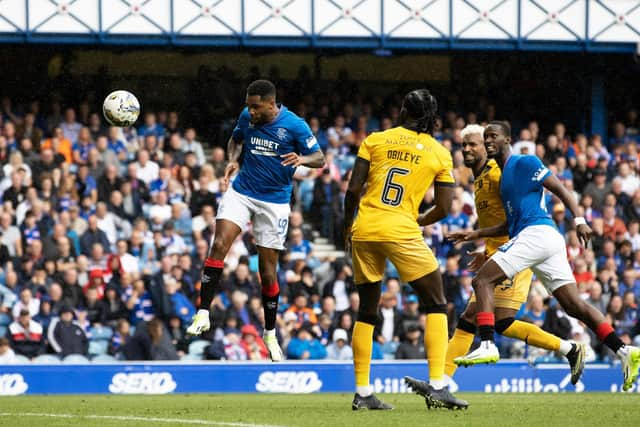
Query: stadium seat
(197, 347)
(47, 359)
(101, 333)
(5, 319)
(191, 357)
(20, 359)
(104, 358)
(97, 347)
(75, 359)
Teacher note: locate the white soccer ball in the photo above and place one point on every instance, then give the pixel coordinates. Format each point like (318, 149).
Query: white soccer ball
(121, 108)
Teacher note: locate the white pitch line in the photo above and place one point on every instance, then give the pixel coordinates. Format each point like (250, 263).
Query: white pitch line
(141, 419)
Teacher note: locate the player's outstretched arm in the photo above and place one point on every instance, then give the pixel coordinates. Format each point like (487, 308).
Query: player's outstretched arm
(470, 236)
(352, 196)
(553, 184)
(443, 198)
(314, 160)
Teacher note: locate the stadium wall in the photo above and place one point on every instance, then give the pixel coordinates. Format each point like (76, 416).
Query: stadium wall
(290, 377)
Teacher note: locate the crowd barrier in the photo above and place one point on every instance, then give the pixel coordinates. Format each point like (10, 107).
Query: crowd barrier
(290, 377)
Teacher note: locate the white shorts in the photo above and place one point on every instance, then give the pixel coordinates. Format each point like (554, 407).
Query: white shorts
(270, 220)
(541, 248)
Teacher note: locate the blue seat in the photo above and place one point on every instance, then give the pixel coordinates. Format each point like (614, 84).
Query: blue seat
(101, 333)
(197, 347)
(47, 359)
(3, 331)
(191, 357)
(104, 358)
(5, 319)
(97, 347)
(21, 360)
(75, 359)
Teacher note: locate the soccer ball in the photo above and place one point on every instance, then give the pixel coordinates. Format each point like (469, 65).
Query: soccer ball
(121, 108)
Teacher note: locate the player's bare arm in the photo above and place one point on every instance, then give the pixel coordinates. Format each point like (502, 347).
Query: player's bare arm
(234, 149)
(352, 196)
(553, 184)
(443, 198)
(478, 257)
(470, 236)
(314, 160)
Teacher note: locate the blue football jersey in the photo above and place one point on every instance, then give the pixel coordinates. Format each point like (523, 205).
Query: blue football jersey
(261, 175)
(522, 195)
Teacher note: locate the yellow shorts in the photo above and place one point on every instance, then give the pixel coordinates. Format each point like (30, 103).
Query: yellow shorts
(412, 258)
(511, 293)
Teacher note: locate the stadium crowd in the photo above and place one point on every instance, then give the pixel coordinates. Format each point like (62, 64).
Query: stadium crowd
(104, 231)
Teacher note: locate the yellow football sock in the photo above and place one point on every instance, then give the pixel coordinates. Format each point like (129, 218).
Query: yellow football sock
(532, 334)
(362, 343)
(436, 335)
(459, 345)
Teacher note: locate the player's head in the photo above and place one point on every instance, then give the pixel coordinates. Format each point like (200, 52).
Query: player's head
(418, 111)
(261, 101)
(473, 150)
(497, 136)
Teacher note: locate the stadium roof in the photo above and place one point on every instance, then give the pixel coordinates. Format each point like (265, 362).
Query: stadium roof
(541, 25)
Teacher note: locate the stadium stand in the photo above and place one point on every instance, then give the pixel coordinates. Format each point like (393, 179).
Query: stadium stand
(115, 223)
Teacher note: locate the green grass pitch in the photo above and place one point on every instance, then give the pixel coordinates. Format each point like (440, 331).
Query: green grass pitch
(251, 410)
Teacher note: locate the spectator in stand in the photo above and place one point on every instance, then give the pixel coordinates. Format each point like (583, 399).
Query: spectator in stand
(305, 345)
(389, 328)
(7, 355)
(598, 188)
(66, 337)
(412, 347)
(253, 344)
(182, 307)
(92, 236)
(26, 336)
(326, 204)
(113, 309)
(534, 311)
(151, 128)
(189, 144)
(299, 247)
(119, 339)
(26, 302)
(614, 228)
(339, 349)
(304, 314)
(151, 341)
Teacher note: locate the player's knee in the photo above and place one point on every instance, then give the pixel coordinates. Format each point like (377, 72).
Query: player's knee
(220, 247)
(436, 308)
(479, 282)
(503, 324)
(367, 317)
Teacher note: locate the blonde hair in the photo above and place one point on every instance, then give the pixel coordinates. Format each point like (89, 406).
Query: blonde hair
(472, 129)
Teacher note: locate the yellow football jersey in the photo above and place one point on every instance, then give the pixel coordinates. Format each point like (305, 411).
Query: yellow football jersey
(486, 191)
(402, 166)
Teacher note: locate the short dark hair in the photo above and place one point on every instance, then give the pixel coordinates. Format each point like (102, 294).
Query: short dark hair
(420, 105)
(504, 126)
(262, 88)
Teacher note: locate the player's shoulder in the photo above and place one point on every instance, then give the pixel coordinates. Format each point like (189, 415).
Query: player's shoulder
(289, 116)
(492, 169)
(378, 138)
(291, 120)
